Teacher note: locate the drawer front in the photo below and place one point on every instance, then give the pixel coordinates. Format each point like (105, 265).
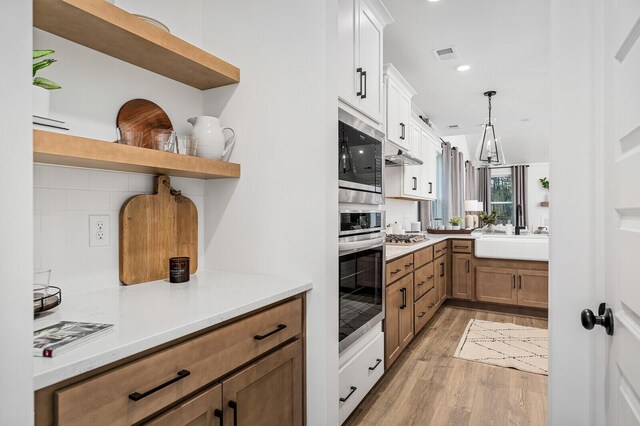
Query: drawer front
(423, 281)
(199, 410)
(399, 268)
(422, 257)
(362, 372)
(461, 246)
(425, 308)
(106, 399)
(440, 249)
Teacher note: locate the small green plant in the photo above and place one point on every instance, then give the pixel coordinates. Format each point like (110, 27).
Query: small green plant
(455, 221)
(489, 219)
(42, 64)
(544, 182)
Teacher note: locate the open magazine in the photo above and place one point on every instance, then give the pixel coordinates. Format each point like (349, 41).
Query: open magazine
(66, 335)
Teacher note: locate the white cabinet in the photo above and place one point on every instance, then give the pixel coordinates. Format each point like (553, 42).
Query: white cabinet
(431, 147)
(412, 179)
(360, 40)
(398, 107)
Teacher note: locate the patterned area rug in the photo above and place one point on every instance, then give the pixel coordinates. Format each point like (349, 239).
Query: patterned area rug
(505, 345)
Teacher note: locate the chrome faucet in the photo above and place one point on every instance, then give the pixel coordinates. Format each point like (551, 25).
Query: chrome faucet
(519, 219)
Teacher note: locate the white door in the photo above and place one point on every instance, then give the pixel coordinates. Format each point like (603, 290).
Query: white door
(348, 78)
(370, 53)
(621, 57)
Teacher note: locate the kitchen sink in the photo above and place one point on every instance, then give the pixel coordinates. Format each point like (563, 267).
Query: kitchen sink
(516, 247)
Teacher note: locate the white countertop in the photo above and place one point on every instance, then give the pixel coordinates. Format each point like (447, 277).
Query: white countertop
(151, 314)
(395, 251)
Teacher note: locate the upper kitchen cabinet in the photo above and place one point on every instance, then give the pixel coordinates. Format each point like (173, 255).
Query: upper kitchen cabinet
(360, 31)
(431, 148)
(399, 94)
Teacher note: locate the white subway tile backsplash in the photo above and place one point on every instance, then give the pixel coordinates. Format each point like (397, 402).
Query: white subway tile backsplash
(141, 183)
(62, 177)
(188, 186)
(108, 181)
(49, 199)
(118, 199)
(63, 221)
(87, 200)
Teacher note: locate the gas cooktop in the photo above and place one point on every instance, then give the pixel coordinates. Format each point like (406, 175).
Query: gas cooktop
(405, 239)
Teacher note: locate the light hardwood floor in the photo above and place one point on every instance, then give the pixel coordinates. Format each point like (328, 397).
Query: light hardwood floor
(427, 386)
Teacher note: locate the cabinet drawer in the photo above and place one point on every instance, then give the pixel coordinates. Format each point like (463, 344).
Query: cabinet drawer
(361, 372)
(109, 397)
(461, 246)
(425, 308)
(422, 257)
(440, 249)
(201, 409)
(423, 280)
(399, 268)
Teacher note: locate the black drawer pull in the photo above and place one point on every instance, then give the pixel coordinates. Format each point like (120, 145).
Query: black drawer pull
(218, 413)
(137, 396)
(404, 298)
(378, 361)
(396, 271)
(234, 406)
(408, 264)
(461, 247)
(280, 327)
(359, 93)
(430, 277)
(430, 305)
(421, 283)
(353, 389)
(421, 314)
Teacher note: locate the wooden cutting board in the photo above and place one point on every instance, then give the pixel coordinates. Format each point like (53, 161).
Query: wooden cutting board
(143, 116)
(154, 228)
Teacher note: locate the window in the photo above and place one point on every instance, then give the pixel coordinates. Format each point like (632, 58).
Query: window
(502, 194)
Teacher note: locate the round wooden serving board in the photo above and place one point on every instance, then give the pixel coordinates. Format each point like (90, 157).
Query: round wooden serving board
(143, 116)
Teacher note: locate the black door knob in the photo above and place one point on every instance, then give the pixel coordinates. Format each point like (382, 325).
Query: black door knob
(605, 319)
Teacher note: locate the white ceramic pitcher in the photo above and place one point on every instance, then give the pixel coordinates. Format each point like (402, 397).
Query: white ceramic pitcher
(211, 139)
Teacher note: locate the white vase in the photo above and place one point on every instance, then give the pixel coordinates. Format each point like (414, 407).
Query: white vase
(40, 101)
(491, 228)
(211, 140)
(455, 227)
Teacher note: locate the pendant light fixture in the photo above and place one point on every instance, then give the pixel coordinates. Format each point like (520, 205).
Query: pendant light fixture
(489, 151)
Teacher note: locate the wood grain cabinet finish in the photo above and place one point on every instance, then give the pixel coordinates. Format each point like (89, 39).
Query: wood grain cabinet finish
(440, 249)
(423, 280)
(441, 268)
(462, 276)
(425, 309)
(423, 256)
(268, 393)
(533, 288)
(398, 268)
(106, 399)
(496, 285)
(398, 329)
(205, 409)
(461, 246)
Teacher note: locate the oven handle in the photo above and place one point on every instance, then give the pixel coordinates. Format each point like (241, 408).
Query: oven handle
(361, 245)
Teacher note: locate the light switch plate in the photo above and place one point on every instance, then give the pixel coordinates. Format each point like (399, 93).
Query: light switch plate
(99, 231)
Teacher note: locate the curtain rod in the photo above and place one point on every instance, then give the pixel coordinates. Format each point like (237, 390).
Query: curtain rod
(498, 167)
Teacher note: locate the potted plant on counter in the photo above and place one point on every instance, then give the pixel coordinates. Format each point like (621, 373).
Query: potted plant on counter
(455, 223)
(42, 86)
(490, 220)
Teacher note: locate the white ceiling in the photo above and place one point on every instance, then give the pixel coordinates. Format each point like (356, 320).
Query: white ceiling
(506, 42)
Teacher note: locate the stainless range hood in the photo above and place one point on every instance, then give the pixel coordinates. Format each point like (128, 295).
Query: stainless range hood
(396, 156)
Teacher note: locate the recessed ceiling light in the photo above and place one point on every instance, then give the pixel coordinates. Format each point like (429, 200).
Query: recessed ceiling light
(433, 1)
(464, 68)
(525, 120)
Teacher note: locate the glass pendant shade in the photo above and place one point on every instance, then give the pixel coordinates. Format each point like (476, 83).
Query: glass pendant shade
(489, 151)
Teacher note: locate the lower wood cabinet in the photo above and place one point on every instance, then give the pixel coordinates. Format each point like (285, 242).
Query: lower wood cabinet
(462, 276)
(204, 409)
(398, 329)
(512, 286)
(425, 309)
(533, 288)
(441, 268)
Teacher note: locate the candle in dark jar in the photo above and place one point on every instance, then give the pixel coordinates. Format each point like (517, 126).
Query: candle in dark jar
(179, 269)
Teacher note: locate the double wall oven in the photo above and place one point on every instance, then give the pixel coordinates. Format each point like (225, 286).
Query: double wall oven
(361, 246)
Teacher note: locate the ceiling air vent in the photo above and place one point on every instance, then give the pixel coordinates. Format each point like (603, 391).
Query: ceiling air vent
(453, 126)
(445, 54)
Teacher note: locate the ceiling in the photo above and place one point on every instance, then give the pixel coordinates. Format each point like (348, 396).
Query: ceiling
(506, 42)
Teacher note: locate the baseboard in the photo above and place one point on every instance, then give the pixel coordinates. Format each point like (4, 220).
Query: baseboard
(502, 309)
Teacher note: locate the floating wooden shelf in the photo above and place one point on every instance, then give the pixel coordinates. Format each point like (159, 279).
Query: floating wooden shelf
(60, 148)
(108, 29)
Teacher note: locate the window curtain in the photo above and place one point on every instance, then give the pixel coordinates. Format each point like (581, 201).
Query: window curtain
(469, 181)
(519, 176)
(484, 188)
(445, 194)
(457, 183)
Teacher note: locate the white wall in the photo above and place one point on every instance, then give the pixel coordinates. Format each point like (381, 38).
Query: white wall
(280, 217)
(16, 309)
(461, 143)
(538, 215)
(400, 211)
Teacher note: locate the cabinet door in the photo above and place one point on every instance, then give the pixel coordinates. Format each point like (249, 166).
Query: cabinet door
(349, 78)
(205, 409)
(428, 167)
(412, 176)
(441, 278)
(496, 285)
(533, 288)
(398, 329)
(393, 115)
(462, 285)
(268, 393)
(404, 118)
(370, 54)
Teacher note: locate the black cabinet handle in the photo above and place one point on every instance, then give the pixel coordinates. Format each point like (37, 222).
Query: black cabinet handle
(353, 389)
(442, 269)
(404, 298)
(421, 314)
(406, 265)
(396, 271)
(421, 283)
(137, 396)
(430, 305)
(430, 188)
(234, 406)
(460, 247)
(520, 282)
(218, 413)
(415, 183)
(514, 281)
(430, 277)
(364, 95)
(359, 93)
(280, 327)
(378, 361)
(468, 266)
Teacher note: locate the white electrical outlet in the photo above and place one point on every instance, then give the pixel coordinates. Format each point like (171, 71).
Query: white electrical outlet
(99, 231)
